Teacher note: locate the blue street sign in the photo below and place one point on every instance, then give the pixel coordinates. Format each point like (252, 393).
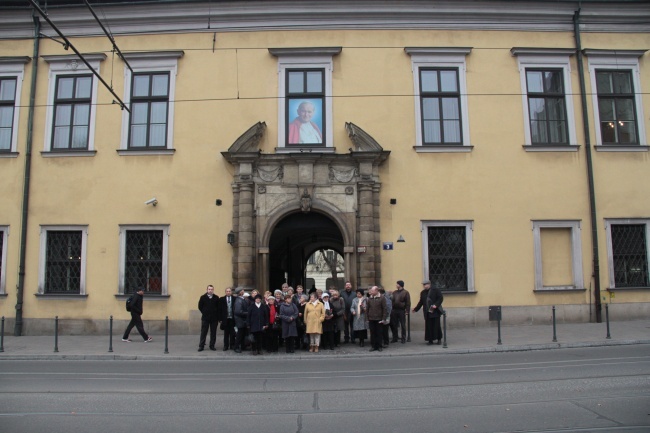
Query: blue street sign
(388, 245)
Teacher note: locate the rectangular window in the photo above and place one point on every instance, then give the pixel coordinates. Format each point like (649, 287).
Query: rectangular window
(440, 106)
(143, 262)
(63, 262)
(630, 255)
(7, 107)
(558, 255)
(546, 106)
(72, 103)
(616, 107)
(305, 103)
(149, 110)
(448, 255)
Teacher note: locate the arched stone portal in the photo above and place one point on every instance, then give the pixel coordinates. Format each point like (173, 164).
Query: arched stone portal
(334, 193)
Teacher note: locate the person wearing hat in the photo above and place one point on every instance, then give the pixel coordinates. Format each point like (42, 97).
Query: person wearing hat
(434, 308)
(328, 323)
(401, 308)
(314, 317)
(258, 321)
(426, 284)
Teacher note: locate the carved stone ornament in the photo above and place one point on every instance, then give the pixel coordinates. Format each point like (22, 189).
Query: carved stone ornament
(343, 176)
(261, 189)
(305, 201)
(349, 190)
(271, 174)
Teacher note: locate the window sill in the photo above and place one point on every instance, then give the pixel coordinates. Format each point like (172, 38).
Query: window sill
(551, 148)
(142, 152)
(443, 148)
(621, 148)
(559, 289)
(60, 296)
(455, 292)
(626, 289)
(60, 153)
(305, 149)
(3, 295)
(8, 154)
(147, 297)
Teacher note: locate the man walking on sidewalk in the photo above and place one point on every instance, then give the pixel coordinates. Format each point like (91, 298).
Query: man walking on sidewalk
(136, 318)
(209, 308)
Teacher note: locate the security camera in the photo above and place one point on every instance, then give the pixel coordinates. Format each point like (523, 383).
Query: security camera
(152, 201)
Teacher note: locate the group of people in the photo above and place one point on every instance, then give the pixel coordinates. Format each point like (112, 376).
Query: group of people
(295, 320)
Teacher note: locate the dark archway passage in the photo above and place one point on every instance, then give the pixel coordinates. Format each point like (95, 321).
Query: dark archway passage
(293, 240)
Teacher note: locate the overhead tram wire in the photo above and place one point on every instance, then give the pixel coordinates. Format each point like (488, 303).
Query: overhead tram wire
(108, 35)
(69, 44)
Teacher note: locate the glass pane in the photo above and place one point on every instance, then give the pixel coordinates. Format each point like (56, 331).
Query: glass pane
(625, 109)
(83, 87)
(159, 112)
(534, 81)
(61, 137)
(450, 109)
(538, 131)
(536, 109)
(557, 132)
(63, 114)
(604, 82)
(64, 89)
(6, 117)
(314, 82)
(80, 137)
(5, 138)
(553, 82)
(608, 130)
(81, 115)
(431, 131)
(160, 85)
(627, 132)
(430, 108)
(452, 131)
(138, 136)
(296, 82)
(448, 81)
(429, 81)
(140, 85)
(7, 90)
(606, 109)
(622, 82)
(157, 135)
(555, 108)
(139, 113)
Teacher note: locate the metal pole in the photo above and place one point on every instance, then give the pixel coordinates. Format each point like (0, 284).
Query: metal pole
(444, 330)
(110, 335)
(408, 318)
(607, 320)
(166, 333)
(499, 327)
(56, 334)
(2, 335)
(554, 333)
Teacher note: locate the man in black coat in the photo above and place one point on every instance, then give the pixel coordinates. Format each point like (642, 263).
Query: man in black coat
(136, 318)
(209, 308)
(227, 318)
(433, 308)
(241, 319)
(348, 295)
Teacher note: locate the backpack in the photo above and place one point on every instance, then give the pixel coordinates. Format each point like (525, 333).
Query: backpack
(129, 300)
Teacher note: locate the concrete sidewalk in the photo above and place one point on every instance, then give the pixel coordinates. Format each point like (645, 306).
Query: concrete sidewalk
(459, 340)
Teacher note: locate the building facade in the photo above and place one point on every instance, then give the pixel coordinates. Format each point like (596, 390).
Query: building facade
(498, 149)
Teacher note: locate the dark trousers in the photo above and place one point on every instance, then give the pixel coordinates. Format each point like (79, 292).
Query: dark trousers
(271, 339)
(257, 345)
(239, 338)
(397, 319)
(136, 320)
(327, 342)
(384, 334)
(289, 344)
(375, 334)
(348, 329)
(228, 333)
(205, 324)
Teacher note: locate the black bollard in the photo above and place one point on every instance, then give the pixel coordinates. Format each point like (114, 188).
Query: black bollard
(444, 330)
(499, 328)
(607, 320)
(2, 335)
(554, 333)
(56, 334)
(408, 319)
(166, 333)
(110, 335)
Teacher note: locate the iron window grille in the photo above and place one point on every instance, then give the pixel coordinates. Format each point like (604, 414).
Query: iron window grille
(72, 112)
(7, 106)
(616, 107)
(440, 106)
(447, 258)
(305, 105)
(630, 255)
(63, 262)
(143, 261)
(149, 110)
(547, 106)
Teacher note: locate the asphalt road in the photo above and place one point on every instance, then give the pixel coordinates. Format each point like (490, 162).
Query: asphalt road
(604, 389)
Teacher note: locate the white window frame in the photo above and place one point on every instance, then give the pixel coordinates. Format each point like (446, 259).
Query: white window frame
(610, 249)
(305, 58)
(576, 254)
(623, 60)
(3, 260)
(43, 257)
(440, 58)
(71, 65)
(165, 259)
(163, 61)
(547, 58)
(469, 244)
(14, 67)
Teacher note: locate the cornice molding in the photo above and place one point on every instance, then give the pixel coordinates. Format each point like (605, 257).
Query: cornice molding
(306, 51)
(69, 57)
(614, 53)
(530, 51)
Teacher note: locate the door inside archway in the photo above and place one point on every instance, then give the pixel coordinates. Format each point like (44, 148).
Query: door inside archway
(294, 240)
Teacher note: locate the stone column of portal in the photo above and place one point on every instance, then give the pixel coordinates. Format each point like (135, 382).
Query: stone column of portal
(235, 229)
(246, 237)
(366, 235)
(377, 239)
